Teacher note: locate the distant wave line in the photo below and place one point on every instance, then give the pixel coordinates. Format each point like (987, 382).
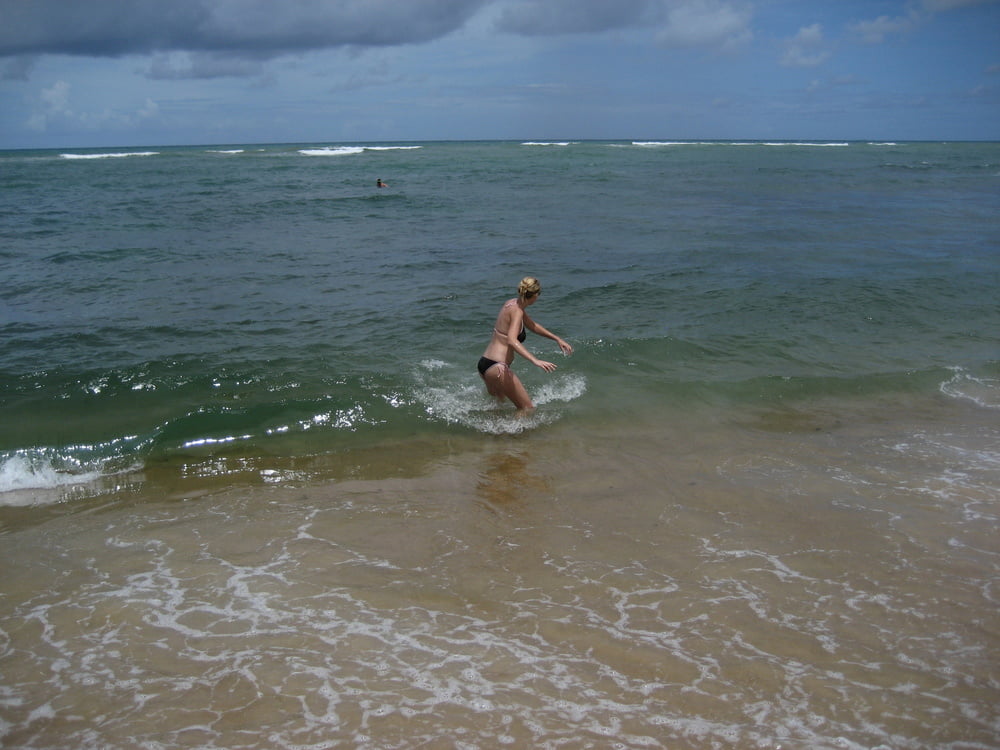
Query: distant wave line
(647, 144)
(349, 150)
(111, 155)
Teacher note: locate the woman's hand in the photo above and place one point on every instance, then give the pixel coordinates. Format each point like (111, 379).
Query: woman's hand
(547, 366)
(566, 348)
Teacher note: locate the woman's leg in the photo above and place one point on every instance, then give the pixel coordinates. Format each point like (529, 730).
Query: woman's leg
(501, 381)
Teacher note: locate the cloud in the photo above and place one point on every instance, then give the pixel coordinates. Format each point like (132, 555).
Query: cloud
(149, 109)
(935, 6)
(706, 23)
(840, 82)
(678, 23)
(200, 65)
(260, 28)
(53, 102)
(54, 107)
(17, 68)
(876, 30)
(56, 98)
(806, 49)
(544, 17)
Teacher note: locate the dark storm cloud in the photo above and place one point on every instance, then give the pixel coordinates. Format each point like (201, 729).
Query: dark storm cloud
(255, 28)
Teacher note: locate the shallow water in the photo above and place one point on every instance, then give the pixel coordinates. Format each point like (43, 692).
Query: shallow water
(802, 582)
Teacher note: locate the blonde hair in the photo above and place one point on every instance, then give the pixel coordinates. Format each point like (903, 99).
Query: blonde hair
(528, 287)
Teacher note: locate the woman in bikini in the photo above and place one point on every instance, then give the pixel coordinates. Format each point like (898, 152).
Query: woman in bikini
(508, 338)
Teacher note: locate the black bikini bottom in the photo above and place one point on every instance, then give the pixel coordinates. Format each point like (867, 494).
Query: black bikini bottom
(485, 364)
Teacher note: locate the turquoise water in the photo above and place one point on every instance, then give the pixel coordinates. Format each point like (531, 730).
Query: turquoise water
(268, 299)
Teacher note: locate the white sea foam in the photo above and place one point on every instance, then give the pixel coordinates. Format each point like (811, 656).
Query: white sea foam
(46, 475)
(470, 407)
(20, 472)
(547, 143)
(562, 388)
(433, 364)
(30, 481)
(961, 471)
(447, 394)
(982, 391)
(113, 155)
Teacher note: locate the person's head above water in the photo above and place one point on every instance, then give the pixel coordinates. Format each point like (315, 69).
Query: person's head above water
(528, 288)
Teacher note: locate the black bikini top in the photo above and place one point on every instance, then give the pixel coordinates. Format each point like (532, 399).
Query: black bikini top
(523, 334)
(520, 337)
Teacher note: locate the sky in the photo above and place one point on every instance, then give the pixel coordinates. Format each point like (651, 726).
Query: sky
(98, 73)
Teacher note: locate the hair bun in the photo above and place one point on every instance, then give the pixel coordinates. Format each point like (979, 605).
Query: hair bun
(529, 286)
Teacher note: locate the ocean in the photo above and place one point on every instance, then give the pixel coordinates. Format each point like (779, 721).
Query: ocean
(253, 493)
